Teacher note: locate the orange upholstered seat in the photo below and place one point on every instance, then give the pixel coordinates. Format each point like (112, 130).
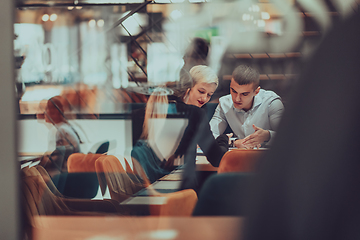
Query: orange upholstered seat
(80, 162)
(181, 203)
(239, 160)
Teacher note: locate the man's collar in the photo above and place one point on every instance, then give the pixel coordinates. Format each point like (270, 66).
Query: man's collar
(257, 102)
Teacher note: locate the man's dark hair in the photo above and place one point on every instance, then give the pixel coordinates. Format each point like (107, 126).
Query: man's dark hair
(244, 75)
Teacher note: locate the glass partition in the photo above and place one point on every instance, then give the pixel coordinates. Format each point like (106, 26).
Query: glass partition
(101, 60)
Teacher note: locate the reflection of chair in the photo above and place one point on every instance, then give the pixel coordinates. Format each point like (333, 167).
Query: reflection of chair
(81, 179)
(123, 185)
(38, 199)
(239, 160)
(111, 173)
(223, 194)
(179, 203)
(139, 172)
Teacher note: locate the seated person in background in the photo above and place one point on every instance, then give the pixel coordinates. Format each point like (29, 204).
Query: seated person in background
(197, 132)
(67, 140)
(195, 54)
(252, 113)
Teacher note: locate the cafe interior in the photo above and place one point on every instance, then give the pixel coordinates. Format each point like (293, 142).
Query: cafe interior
(103, 59)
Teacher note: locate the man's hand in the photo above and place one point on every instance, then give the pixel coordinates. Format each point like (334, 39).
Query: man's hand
(257, 138)
(239, 143)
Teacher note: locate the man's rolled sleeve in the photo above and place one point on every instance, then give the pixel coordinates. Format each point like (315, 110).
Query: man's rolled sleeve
(276, 109)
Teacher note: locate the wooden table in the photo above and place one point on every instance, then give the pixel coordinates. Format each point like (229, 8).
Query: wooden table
(128, 228)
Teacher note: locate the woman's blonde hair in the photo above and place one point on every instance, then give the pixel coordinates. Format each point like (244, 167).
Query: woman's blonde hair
(197, 74)
(203, 74)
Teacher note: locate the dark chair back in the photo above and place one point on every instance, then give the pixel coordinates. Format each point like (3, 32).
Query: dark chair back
(223, 195)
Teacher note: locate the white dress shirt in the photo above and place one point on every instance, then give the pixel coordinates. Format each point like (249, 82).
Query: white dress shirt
(265, 113)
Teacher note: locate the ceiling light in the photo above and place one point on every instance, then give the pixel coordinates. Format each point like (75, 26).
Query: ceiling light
(100, 23)
(92, 23)
(45, 17)
(53, 17)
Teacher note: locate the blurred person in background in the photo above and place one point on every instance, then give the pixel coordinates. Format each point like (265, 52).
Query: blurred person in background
(196, 54)
(252, 113)
(66, 140)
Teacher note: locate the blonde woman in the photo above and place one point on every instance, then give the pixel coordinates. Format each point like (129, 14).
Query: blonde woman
(198, 88)
(187, 105)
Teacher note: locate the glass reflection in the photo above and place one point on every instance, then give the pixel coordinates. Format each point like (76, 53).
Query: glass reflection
(108, 61)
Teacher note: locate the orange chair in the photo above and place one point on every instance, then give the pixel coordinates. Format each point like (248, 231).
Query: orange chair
(240, 160)
(181, 203)
(81, 180)
(80, 162)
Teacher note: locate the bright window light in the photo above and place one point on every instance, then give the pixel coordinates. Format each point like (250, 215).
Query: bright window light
(255, 8)
(265, 15)
(246, 17)
(45, 17)
(261, 23)
(162, 1)
(176, 14)
(133, 23)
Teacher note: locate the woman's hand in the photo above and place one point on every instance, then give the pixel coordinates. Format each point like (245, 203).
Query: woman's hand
(229, 136)
(169, 164)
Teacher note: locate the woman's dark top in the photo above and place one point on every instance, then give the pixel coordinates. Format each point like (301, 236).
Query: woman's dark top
(196, 133)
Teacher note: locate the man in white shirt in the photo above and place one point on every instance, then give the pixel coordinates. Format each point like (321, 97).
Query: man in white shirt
(252, 113)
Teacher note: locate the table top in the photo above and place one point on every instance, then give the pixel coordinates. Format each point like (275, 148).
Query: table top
(126, 228)
(202, 164)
